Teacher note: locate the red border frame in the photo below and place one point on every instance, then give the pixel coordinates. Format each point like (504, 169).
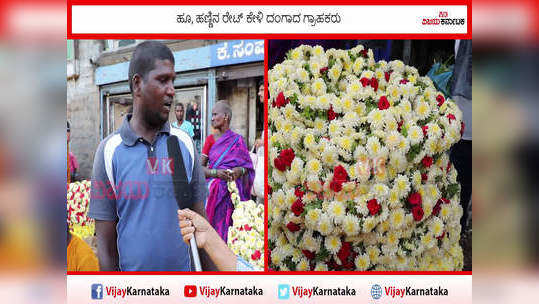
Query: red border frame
(70, 35)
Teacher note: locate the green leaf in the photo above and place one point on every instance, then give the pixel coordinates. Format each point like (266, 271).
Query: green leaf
(323, 254)
(452, 190)
(413, 152)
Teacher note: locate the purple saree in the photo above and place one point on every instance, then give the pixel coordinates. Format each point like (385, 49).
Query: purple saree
(228, 152)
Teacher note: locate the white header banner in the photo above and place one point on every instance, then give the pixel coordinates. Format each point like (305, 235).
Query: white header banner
(315, 19)
(247, 289)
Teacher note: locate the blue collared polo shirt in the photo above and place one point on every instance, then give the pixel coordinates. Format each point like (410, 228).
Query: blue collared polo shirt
(132, 184)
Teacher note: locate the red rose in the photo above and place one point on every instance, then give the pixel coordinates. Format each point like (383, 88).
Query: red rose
(415, 199)
(448, 167)
(340, 174)
(255, 256)
(331, 113)
(279, 164)
(403, 81)
(427, 161)
(270, 190)
(387, 75)
(383, 103)
(451, 117)
(299, 193)
(293, 227)
(287, 156)
(373, 206)
(297, 207)
(309, 254)
(365, 81)
(344, 252)
(364, 53)
(425, 128)
(374, 84)
(440, 99)
(335, 186)
(280, 100)
(417, 211)
(424, 177)
(462, 127)
(247, 227)
(445, 200)
(323, 70)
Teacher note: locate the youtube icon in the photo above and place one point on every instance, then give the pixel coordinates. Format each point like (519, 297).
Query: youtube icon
(190, 291)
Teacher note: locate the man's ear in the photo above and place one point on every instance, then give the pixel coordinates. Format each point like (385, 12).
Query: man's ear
(137, 82)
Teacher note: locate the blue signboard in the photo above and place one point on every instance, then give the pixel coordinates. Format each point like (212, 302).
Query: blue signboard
(215, 55)
(237, 51)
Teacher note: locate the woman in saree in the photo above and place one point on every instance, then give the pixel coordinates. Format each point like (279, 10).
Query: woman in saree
(225, 157)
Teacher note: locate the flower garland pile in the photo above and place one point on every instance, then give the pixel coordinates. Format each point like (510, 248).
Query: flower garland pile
(359, 171)
(78, 198)
(246, 236)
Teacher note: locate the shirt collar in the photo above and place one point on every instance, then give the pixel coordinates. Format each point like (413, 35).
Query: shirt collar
(130, 138)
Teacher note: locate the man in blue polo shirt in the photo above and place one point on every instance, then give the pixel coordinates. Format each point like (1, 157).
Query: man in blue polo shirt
(132, 198)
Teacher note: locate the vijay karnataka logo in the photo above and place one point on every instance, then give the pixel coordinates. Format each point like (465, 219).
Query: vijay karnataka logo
(443, 19)
(394, 292)
(284, 291)
(98, 292)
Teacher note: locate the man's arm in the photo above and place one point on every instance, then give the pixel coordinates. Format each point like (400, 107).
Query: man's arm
(102, 208)
(107, 249)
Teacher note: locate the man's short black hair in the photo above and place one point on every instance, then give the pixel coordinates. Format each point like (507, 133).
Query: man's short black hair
(179, 104)
(144, 57)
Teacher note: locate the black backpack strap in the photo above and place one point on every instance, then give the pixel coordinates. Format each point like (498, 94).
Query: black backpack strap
(182, 188)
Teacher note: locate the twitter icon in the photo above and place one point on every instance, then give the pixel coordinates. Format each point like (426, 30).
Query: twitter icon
(283, 291)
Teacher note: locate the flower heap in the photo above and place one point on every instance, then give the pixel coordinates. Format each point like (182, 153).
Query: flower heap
(359, 172)
(78, 198)
(246, 236)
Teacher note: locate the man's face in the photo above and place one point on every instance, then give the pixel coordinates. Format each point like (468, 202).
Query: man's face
(157, 93)
(179, 113)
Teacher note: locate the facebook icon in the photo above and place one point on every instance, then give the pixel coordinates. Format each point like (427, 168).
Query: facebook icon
(97, 291)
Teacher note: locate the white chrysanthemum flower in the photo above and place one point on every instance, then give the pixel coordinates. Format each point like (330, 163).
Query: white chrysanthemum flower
(318, 87)
(422, 110)
(373, 147)
(431, 146)
(325, 225)
(402, 185)
(392, 139)
(337, 211)
(362, 262)
(312, 218)
(415, 135)
(309, 141)
(335, 72)
(380, 191)
(393, 199)
(369, 224)
(396, 218)
(436, 226)
(351, 225)
(320, 266)
(376, 119)
(333, 244)
(324, 101)
(428, 241)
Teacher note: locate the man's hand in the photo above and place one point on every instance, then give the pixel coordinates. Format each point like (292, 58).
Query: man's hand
(107, 249)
